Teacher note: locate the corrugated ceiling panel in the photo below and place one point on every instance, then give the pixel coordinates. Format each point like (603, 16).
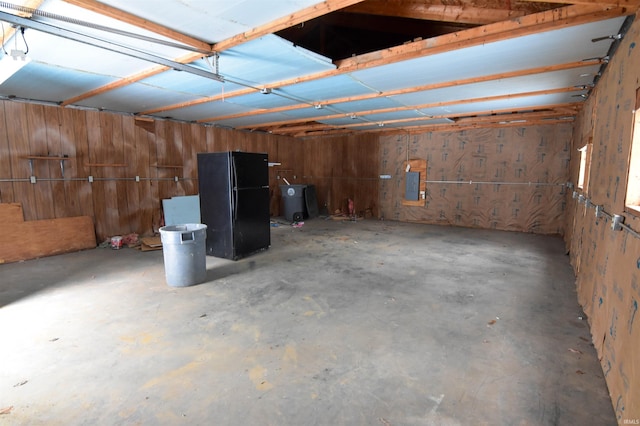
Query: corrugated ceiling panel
(509, 55)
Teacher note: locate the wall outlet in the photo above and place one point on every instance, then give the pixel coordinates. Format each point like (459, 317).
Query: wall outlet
(137, 178)
(32, 179)
(90, 179)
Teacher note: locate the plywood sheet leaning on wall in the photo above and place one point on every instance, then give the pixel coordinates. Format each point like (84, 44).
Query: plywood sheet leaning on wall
(11, 213)
(25, 240)
(509, 179)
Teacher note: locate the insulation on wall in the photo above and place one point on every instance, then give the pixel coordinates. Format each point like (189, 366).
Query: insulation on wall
(607, 262)
(509, 179)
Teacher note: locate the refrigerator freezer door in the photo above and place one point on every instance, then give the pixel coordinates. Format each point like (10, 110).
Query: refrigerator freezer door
(251, 170)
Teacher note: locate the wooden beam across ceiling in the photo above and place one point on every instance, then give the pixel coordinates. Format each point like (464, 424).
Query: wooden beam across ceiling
(134, 20)
(503, 118)
(273, 26)
(414, 89)
(616, 3)
(530, 24)
(436, 11)
(419, 107)
(285, 22)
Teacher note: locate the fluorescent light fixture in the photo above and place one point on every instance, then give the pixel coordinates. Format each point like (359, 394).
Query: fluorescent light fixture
(11, 64)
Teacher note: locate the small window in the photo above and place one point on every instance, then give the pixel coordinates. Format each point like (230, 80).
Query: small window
(585, 165)
(633, 180)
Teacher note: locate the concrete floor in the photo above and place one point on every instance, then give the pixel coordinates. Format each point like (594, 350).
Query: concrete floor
(338, 323)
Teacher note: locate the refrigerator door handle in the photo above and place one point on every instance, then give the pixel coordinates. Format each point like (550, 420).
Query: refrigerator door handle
(236, 193)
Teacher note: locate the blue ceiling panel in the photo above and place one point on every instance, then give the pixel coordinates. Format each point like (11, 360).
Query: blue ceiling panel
(508, 86)
(48, 83)
(565, 45)
(340, 86)
(204, 111)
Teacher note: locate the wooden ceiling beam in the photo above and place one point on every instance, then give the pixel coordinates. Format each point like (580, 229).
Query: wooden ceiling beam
(129, 18)
(518, 27)
(441, 85)
(503, 119)
(543, 21)
(616, 3)
(422, 106)
(460, 14)
(190, 57)
(489, 112)
(295, 18)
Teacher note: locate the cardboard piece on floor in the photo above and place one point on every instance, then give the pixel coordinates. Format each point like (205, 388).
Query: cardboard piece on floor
(150, 243)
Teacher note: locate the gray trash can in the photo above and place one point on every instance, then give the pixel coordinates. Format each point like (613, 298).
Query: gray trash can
(293, 196)
(185, 259)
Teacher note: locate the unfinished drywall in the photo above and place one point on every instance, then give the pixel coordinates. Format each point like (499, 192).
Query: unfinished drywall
(113, 149)
(509, 179)
(607, 262)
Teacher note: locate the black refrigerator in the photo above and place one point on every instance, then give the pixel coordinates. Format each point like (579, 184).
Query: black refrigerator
(234, 202)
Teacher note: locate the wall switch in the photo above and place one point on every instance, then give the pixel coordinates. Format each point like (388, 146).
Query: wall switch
(32, 179)
(137, 178)
(90, 179)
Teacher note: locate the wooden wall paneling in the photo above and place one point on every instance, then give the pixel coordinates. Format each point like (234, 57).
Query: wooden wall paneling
(95, 156)
(153, 202)
(70, 188)
(198, 138)
(80, 136)
(37, 141)
(131, 194)
(166, 133)
(210, 134)
(6, 188)
(54, 147)
(109, 154)
(124, 210)
(18, 138)
(140, 163)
